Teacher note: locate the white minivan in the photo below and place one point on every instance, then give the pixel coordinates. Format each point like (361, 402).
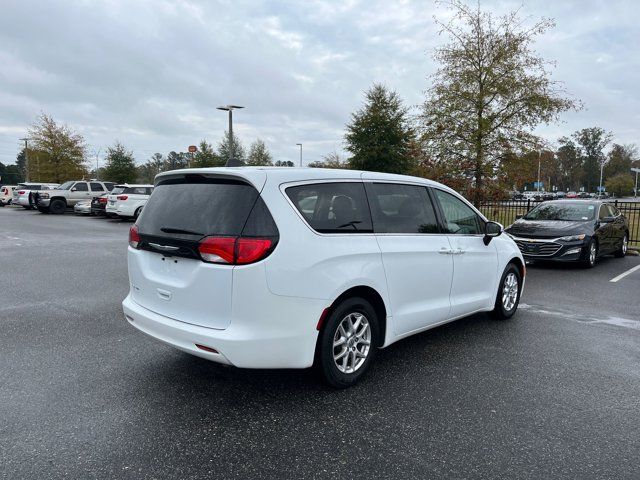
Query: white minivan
(291, 267)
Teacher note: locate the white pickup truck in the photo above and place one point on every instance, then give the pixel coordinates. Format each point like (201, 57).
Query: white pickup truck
(65, 196)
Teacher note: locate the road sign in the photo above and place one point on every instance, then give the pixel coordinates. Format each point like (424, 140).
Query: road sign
(637, 170)
(193, 149)
(538, 184)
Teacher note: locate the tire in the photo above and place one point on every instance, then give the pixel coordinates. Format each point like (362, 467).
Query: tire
(26, 208)
(622, 251)
(591, 256)
(43, 209)
(57, 207)
(136, 214)
(355, 323)
(508, 296)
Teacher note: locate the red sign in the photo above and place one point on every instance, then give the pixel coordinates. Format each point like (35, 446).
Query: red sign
(193, 149)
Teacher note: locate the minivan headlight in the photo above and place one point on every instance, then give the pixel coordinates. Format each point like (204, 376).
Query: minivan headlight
(573, 238)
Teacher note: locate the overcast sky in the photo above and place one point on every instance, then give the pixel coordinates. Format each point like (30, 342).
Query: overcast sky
(150, 73)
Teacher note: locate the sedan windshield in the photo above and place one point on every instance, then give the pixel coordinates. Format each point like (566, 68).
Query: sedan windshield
(569, 212)
(65, 186)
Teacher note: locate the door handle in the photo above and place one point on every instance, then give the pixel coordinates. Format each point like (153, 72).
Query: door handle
(459, 251)
(445, 251)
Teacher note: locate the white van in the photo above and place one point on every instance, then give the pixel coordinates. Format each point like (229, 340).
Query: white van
(287, 267)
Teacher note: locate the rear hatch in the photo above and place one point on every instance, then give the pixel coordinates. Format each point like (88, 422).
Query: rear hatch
(112, 198)
(186, 243)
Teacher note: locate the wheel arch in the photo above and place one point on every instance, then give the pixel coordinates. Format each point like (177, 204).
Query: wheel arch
(373, 297)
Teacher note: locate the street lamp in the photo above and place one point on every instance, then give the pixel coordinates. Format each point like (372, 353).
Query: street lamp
(300, 145)
(635, 190)
(231, 162)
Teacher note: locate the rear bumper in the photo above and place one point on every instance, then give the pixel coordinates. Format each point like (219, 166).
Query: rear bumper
(283, 339)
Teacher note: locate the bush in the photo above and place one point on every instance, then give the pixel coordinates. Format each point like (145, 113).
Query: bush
(620, 185)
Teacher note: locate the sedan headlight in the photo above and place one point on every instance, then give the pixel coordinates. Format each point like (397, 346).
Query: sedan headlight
(573, 238)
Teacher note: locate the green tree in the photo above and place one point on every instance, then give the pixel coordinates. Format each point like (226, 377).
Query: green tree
(489, 93)
(56, 153)
(620, 159)
(331, 160)
(259, 155)
(380, 134)
(592, 141)
(284, 163)
(206, 156)
(620, 185)
(152, 167)
(569, 159)
(120, 165)
(224, 149)
(176, 161)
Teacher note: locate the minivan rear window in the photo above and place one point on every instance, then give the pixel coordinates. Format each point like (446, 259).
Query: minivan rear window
(197, 206)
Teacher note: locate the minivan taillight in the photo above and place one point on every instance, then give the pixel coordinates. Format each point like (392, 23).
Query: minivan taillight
(122, 197)
(134, 236)
(21, 192)
(234, 250)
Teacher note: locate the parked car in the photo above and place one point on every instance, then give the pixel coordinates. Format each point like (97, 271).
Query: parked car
(83, 208)
(571, 195)
(560, 194)
(23, 195)
(281, 268)
(127, 201)
(57, 200)
(6, 194)
(99, 204)
(571, 231)
(529, 195)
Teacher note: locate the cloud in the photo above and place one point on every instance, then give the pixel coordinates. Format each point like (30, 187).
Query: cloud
(150, 73)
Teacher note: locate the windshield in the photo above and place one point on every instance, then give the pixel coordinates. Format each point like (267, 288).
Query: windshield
(569, 212)
(65, 186)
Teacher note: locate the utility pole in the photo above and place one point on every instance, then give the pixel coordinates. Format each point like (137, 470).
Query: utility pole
(231, 162)
(601, 170)
(300, 145)
(26, 159)
(635, 190)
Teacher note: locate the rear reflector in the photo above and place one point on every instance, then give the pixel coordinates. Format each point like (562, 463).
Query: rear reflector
(206, 349)
(134, 236)
(323, 317)
(234, 250)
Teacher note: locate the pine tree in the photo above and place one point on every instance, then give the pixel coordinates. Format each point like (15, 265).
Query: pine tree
(224, 149)
(379, 135)
(120, 166)
(259, 155)
(206, 156)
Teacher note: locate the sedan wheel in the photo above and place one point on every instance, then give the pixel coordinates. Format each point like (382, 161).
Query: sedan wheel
(622, 251)
(592, 254)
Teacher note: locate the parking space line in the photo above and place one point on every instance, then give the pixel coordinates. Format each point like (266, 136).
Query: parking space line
(624, 274)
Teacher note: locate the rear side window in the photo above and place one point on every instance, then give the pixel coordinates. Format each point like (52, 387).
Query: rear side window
(109, 186)
(195, 206)
(333, 207)
(96, 187)
(400, 208)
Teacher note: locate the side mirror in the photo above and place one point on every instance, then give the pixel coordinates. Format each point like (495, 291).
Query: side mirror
(74, 189)
(492, 229)
(518, 217)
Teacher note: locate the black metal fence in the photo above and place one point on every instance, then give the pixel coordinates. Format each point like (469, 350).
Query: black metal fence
(505, 212)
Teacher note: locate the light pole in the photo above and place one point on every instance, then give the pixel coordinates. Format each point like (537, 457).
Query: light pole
(26, 159)
(231, 162)
(300, 145)
(98, 164)
(635, 190)
(539, 155)
(601, 170)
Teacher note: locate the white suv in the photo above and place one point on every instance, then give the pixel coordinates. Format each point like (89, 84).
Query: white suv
(284, 268)
(127, 201)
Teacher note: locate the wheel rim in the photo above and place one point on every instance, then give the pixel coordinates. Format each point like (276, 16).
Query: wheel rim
(592, 254)
(351, 342)
(624, 245)
(510, 291)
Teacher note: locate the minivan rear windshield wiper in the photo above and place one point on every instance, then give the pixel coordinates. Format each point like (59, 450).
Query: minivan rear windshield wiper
(180, 230)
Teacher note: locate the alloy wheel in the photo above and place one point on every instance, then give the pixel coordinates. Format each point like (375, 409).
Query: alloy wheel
(351, 342)
(592, 254)
(624, 245)
(510, 291)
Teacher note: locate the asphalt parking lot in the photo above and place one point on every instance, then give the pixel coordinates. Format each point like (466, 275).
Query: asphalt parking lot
(554, 393)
